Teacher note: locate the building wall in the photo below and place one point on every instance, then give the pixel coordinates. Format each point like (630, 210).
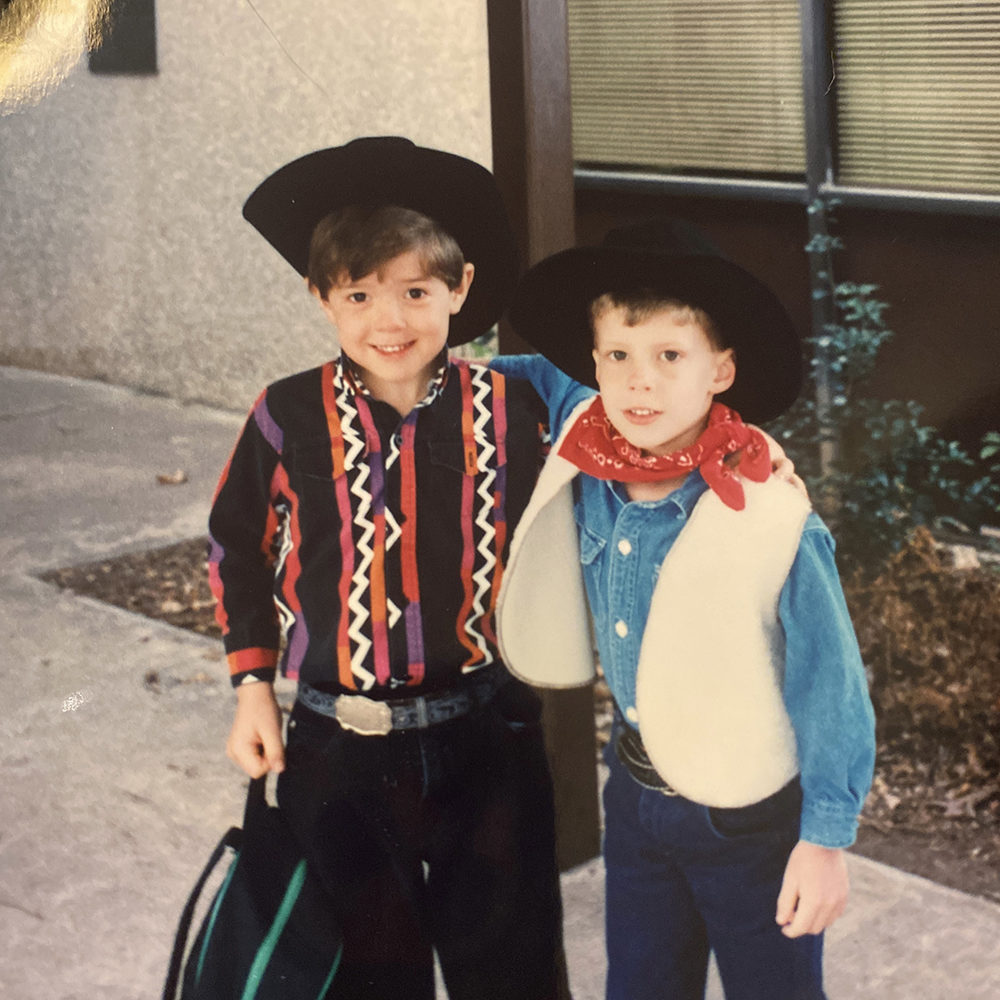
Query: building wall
(124, 256)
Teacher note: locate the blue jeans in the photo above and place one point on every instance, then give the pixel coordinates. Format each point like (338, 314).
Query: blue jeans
(684, 880)
(439, 839)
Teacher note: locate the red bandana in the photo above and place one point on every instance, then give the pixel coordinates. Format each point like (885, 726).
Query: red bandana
(594, 446)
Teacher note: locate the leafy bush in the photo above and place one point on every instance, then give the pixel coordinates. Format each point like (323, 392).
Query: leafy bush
(875, 471)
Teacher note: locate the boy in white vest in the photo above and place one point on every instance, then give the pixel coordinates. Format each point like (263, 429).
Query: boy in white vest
(743, 741)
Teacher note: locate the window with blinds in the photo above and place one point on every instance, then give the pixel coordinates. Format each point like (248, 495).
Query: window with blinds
(918, 94)
(689, 86)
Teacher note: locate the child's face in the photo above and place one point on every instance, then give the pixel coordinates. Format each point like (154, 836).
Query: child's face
(658, 378)
(393, 324)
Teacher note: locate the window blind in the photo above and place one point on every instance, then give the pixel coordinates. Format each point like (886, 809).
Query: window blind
(687, 85)
(918, 94)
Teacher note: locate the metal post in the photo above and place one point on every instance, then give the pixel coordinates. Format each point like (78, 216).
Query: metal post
(818, 77)
(533, 164)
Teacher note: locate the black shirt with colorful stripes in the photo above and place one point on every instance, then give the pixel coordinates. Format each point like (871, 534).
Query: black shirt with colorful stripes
(364, 549)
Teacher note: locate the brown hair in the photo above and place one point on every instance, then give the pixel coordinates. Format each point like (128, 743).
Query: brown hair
(359, 239)
(642, 304)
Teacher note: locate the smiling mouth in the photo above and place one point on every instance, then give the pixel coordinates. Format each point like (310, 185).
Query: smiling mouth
(392, 349)
(640, 414)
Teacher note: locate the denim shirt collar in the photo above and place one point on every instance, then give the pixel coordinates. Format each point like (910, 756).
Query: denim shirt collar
(685, 497)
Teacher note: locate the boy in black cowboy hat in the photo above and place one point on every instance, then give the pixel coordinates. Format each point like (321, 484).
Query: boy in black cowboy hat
(743, 743)
(361, 526)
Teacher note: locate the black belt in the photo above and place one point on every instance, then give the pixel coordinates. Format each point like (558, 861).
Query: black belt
(372, 717)
(631, 752)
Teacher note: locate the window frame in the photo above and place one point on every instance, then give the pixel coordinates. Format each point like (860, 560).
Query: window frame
(820, 178)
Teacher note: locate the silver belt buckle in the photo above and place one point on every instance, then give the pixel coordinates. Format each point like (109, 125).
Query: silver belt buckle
(364, 715)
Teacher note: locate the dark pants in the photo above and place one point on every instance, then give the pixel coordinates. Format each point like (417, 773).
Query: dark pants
(683, 879)
(441, 838)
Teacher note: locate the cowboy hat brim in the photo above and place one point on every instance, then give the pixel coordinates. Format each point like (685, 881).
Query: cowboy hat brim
(458, 194)
(551, 311)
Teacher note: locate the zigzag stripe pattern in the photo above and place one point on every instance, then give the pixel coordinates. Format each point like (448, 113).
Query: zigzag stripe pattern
(394, 612)
(358, 474)
(392, 529)
(393, 533)
(285, 614)
(483, 578)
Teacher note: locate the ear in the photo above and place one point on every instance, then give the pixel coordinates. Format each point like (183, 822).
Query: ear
(725, 371)
(460, 294)
(597, 367)
(324, 303)
(313, 290)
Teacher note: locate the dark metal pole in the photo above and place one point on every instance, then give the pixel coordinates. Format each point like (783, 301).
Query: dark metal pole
(818, 78)
(533, 164)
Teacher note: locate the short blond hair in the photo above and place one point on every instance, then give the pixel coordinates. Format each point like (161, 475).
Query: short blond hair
(639, 306)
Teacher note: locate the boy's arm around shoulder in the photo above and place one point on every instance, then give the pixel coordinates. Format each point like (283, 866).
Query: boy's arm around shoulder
(560, 393)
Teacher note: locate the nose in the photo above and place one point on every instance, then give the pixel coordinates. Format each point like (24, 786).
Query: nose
(388, 313)
(640, 375)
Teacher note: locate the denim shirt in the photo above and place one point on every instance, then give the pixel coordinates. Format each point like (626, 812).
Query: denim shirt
(622, 546)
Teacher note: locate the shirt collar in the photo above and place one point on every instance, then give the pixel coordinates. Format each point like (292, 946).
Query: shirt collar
(346, 372)
(684, 497)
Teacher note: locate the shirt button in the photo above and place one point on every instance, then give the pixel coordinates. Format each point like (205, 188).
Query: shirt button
(624, 546)
(631, 714)
(621, 629)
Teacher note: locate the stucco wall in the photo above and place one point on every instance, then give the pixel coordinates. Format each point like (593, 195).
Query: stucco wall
(123, 253)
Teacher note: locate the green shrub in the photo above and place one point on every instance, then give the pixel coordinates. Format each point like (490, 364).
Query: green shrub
(883, 471)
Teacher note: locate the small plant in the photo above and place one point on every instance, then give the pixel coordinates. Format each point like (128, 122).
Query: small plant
(874, 469)
(481, 349)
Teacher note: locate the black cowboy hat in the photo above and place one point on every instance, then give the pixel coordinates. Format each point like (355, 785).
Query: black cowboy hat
(551, 308)
(458, 194)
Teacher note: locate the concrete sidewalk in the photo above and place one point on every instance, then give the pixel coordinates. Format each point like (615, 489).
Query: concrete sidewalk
(115, 791)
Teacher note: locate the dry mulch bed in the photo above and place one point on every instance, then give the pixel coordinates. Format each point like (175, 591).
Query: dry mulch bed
(930, 636)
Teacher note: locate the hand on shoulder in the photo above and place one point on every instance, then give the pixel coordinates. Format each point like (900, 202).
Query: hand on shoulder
(782, 466)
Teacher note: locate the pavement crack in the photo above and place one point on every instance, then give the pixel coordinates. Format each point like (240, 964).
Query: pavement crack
(7, 904)
(38, 411)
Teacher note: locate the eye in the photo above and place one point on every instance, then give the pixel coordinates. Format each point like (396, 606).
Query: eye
(416, 293)
(670, 355)
(357, 297)
(617, 355)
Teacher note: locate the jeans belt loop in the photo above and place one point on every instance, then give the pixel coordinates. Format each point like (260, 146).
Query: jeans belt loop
(423, 718)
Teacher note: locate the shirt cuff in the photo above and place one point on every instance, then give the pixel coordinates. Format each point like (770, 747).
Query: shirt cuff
(828, 827)
(256, 662)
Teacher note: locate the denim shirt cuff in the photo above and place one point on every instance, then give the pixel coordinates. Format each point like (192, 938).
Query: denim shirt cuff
(827, 825)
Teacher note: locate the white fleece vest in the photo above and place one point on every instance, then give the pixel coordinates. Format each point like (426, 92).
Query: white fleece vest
(711, 712)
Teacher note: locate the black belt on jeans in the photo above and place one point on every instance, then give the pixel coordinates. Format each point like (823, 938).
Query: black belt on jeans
(371, 717)
(631, 752)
